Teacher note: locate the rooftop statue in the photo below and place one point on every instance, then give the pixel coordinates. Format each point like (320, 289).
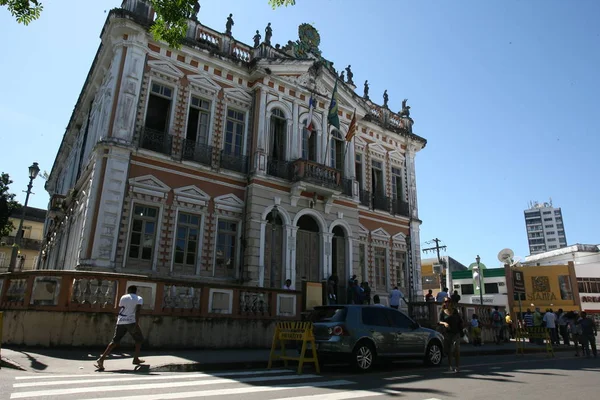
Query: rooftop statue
(195, 12)
(268, 34)
(385, 99)
(405, 109)
(229, 25)
(257, 39)
(349, 74)
(366, 90)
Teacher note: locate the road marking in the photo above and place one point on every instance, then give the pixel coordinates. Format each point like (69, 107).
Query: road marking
(335, 396)
(227, 392)
(100, 379)
(397, 378)
(267, 371)
(162, 385)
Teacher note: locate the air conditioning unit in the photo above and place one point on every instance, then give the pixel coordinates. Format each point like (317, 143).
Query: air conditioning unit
(457, 286)
(437, 268)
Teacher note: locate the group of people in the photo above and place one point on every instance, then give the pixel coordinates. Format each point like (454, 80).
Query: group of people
(571, 326)
(360, 293)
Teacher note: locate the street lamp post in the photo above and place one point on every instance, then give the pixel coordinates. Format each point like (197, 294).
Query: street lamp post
(274, 215)
(478, 259)
(33, 172)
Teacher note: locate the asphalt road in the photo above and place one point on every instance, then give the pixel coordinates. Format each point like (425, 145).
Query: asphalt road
(530, 377)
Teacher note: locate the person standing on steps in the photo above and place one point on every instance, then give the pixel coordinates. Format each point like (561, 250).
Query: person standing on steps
(128, 319)
(395, 297)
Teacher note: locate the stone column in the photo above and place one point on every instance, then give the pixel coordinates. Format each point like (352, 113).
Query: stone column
(261, 254)
(326, 239)
(290, 255)
(296, 135)
(260, 155)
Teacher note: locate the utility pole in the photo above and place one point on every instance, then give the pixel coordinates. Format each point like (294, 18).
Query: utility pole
(437, 249)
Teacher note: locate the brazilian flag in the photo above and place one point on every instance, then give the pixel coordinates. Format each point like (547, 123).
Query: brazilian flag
(332, 117)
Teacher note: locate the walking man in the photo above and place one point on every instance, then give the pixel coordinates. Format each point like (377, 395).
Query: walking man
(588, 333)
(395, 297)
(130, 306)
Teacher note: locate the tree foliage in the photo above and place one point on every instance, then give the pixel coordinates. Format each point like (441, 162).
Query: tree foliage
(171, 16)
(7, 205)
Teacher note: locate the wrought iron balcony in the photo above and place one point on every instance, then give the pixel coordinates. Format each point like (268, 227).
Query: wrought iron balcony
(381, 203)
(200, 153)
(347, 186)
(317, 174)
(365, 197)
(26, 243)
(280, 169)
(160, 142)
(234, 162)
(400, 207)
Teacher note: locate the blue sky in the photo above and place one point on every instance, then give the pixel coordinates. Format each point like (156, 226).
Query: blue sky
(506, 93)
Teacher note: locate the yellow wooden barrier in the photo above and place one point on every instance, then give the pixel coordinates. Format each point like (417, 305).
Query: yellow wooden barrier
(294, 332)
(535, 332)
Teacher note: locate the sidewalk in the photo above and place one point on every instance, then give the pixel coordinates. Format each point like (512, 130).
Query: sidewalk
(81, 360)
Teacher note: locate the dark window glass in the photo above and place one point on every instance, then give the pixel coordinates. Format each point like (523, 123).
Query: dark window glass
(374, 316)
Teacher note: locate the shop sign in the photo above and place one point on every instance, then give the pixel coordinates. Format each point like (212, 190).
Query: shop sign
(590, 299)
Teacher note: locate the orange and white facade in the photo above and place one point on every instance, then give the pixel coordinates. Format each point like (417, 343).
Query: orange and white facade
(192, 162)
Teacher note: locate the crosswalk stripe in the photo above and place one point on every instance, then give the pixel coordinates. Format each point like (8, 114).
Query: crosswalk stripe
(335, 396)
(50, 376)
(227, 392)
(56, 392)
(98, 379)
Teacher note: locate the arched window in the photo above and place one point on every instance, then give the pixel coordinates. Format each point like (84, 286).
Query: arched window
(278, 130)
(336, 151)
(309, 143)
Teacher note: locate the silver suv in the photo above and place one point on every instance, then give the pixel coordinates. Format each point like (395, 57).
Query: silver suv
(362, 334)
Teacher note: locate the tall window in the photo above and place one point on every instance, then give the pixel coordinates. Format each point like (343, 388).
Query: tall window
(188, 237)
(362, 259)
(3, 259)
(234, 132)
(400, 270)
(226, 247)
(143, 232)
(336, 150)
(159, 107)
(397, 183)
(380, 270)
(358, 170)
(278, 133)
(309, 144)
(198, 121)
(377, 178)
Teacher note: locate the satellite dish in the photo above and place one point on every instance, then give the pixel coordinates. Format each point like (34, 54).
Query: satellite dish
(506, 256)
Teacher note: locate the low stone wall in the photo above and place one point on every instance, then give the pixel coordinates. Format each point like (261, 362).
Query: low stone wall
(48, 329)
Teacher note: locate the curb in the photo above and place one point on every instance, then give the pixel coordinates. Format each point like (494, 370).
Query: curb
(239, 365)
(7, 363)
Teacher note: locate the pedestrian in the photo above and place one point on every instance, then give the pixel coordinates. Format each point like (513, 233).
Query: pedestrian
(358, 293)
(429, 296)
(128, 319)
(574, 329)
(442, 295)
(350, 293)
(528, 320)
(455, 297)
(288, 285)
(563, 328)
(366, 292)
(453, 327)
(497, 324)
(377, 301)
(395, 297)
(588, 334)
(509, 327)
(475, 330)
(538, 324)
(549, 320)
(331, 297)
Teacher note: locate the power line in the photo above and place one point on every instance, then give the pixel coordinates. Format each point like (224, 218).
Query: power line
(436, 248)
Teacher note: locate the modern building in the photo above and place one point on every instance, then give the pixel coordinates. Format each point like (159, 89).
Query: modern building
(586, 258)
(198, 163)
(545, 227)
(31, 240)
(435, 273)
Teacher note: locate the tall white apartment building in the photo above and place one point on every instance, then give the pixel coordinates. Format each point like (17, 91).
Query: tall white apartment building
(545, 227)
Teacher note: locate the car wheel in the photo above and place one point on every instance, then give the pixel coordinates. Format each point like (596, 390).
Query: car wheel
(434, 354)
(364, 356)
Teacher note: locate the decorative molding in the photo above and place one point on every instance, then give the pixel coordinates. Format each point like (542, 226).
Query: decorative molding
(192, 194)
(381, 233)
(203, 82)
(148, 184)
(229, 202)
(166, 68)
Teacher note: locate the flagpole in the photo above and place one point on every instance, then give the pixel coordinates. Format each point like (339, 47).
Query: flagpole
(326, 147)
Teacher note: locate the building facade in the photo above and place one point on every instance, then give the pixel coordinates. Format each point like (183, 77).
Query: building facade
(31, 240)
(435, 274)
(545, 227)
(493, 284)
(198, 163)
(586, 258)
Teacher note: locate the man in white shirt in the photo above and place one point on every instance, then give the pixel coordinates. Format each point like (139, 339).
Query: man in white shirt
(130, 306)
(395, 297)
(288, 285)
(550, 322)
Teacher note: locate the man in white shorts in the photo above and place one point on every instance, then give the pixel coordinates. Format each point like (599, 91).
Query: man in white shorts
(130, 306)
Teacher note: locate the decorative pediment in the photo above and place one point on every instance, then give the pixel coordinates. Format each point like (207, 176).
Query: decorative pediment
(238, 94)
(362, 231)
(381, 233)
(204, 82)
(376, 148)
(192, 194)
(399, 240)
(149, 184)
(229, 202)
(396, 156)
(166, 68)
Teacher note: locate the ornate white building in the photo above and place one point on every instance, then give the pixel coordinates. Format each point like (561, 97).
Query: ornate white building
(192, 162)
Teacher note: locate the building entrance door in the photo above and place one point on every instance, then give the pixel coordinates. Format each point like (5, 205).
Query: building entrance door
(308, 250)
(338, 264)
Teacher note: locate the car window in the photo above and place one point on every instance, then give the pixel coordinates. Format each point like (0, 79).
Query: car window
(398, 319)
(328, 314)
(374, 316)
